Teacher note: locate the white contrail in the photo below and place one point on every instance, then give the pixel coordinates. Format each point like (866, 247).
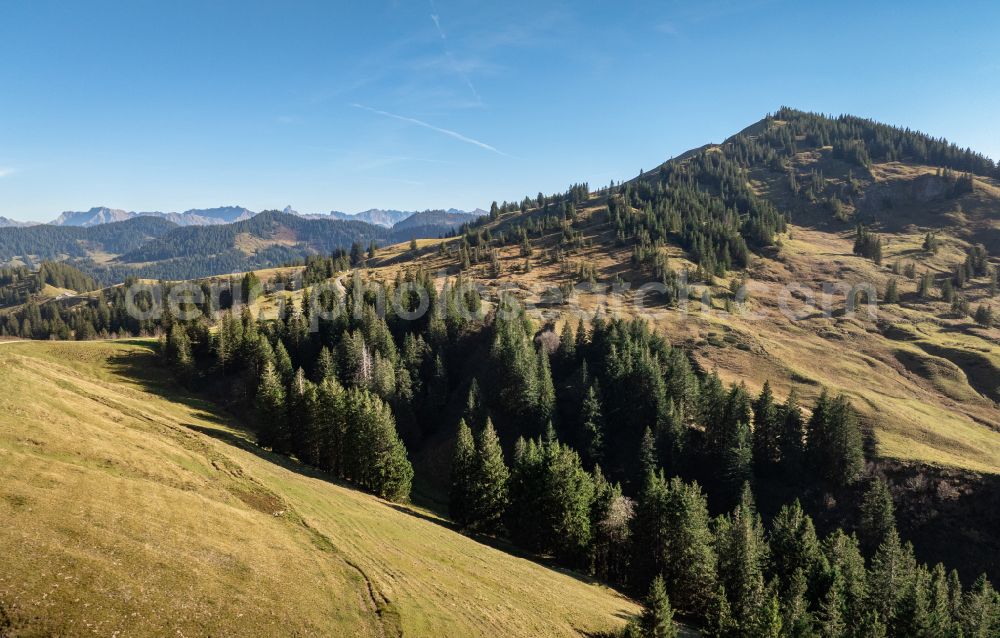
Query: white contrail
(451, 58)
(437, 23)
(443, 131)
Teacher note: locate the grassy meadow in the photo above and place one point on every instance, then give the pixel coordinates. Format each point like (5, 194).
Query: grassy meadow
(130, 509)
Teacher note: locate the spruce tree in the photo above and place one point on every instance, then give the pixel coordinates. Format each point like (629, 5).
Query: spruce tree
(682, 383)
(891, 292)
(657, 616)
(567, 495)
(830, 615)
(728, 436)
(720, 622)
(878, 517)
(375, 457)
(567, 347)
(672, 437)
(515, 365)
(178, 353)
(303, 418)
(872, 626)
(939, 603)
(256, 351)
(546, 401)
(984, 316)
(393, 474)
(326, 367)
(711, 402)
(947, 291)
(462, 474)
(914, 617)
(743, 554)
(523, 516)
(647, 453)
(475, 409)
(848, 458)
(818, 434)
(271, 413)
(796, 617)
(888, 578)
(332, 425)
(592, 426)
(689, 562)
(955, 595)
(767, 621)
(737, 469)
(650, 534)
(924, 285)
(250, 288)
(766, 431)
(795, 547)
(610, 519)
(581, 338)
(227, 341)
(980, 612)
(835, 443)
(847, 573)
(931, 243)
(283, 362)
(489, 481)
(792, 440)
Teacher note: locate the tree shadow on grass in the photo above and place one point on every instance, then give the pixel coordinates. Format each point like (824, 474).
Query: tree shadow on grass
(148, 344)
(242, 439)
(144, 368)
(502, 545)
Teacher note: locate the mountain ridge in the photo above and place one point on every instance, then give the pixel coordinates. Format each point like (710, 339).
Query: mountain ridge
(781, 208)
(824, 177)
(107, 243)
(98, 215)
(388, 218)
(6, 222)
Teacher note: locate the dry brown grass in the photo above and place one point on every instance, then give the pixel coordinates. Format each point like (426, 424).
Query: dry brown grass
(129, 509)
(925, 400)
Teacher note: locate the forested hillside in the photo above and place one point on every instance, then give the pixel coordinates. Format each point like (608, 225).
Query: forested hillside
(58, 242)
(153, 248)
(593, 421)
(811, 386)
(441, 219)
(19, 284)
(281, 228)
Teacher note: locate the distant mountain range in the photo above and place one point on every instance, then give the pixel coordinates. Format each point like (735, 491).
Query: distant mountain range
(10, 223)
(394, 218)
(230, 214)
(113, 244)
(379, 217)
(194, 217)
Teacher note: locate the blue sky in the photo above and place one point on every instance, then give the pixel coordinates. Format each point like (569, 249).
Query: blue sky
(173, 105)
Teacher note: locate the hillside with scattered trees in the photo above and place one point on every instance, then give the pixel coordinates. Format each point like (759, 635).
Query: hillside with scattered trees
(793, 432)
(593, 428)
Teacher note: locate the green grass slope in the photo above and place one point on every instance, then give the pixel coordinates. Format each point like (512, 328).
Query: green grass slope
(129, 509)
